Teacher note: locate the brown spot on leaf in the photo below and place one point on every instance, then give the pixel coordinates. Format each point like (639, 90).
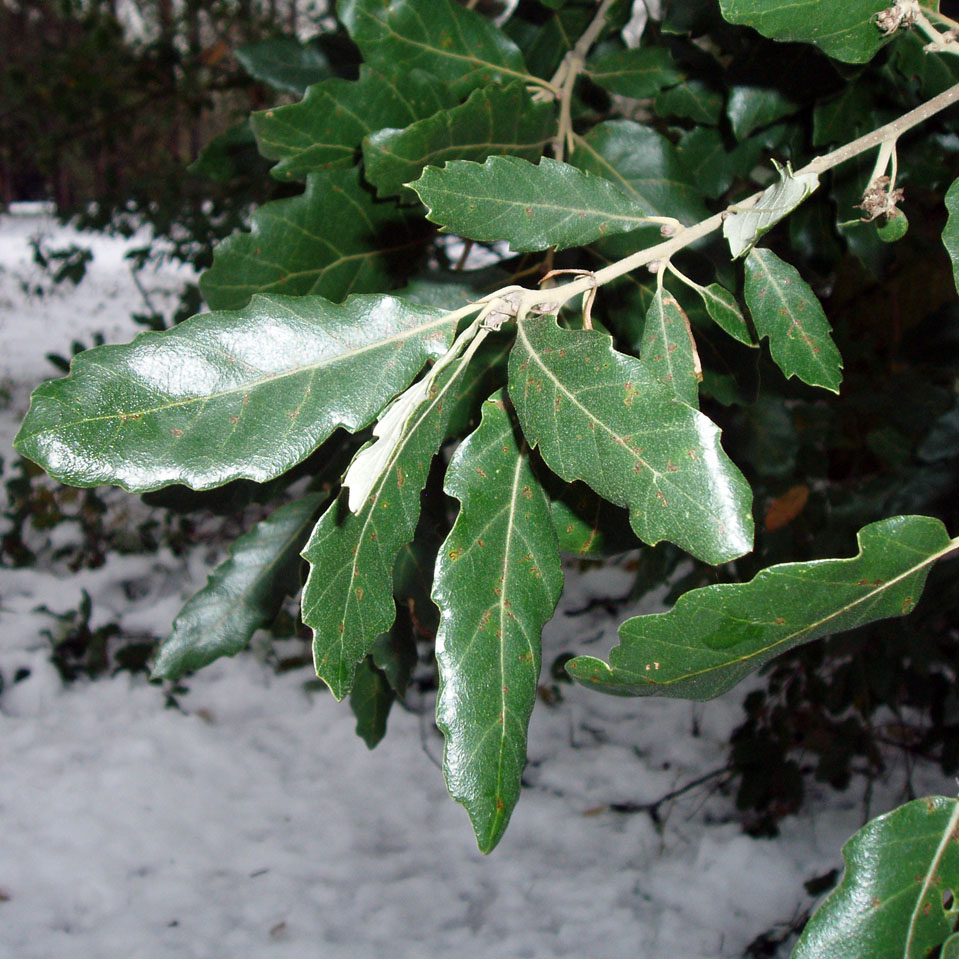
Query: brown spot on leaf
(176, 432)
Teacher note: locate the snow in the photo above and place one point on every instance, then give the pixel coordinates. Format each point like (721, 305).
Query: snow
(252, 822)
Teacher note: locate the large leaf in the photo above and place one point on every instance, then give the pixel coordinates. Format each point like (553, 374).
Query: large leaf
(327, 126)
(604, 418)
(531, 207)
(457, 45)
(333, 240)
(644, 165)
(715, 636)
(243, 593)
(950, 234)
(668, 349)
(494, 120)
(285, 63)
(785, 309)
(901, 870)
(635, 73)
(226, 396)
(498, 578)
(348, 596)
(846, 30)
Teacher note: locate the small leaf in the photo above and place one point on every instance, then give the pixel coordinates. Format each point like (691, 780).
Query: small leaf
(587, 525)
(668, 349)
(498, 578)
(370, 700)
(743, 228)
(495, 119)
(846, 31)
(785, 309)
(284, 63)
(899, 869)
(750, 108)
(326, 128)
(722, 307)
(602, 417)
(636, 73)
(457, 45)
(784, 509)
(243, 593)
(715, 636)
(531, 207)
(226, 396)
(348, 596)
(950, 234)
(332, 240)
(710, 165)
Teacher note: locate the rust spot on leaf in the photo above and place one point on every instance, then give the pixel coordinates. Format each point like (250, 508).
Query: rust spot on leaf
(779, 621)
(455, 553)
(176, 432)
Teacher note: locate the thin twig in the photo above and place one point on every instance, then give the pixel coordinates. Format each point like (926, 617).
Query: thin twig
(652, 808)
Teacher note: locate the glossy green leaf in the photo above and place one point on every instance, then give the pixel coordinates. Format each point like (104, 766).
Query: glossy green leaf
(498, 578)
(710, 165)
(900, 870)
(326, 128)
(668, 349)
(715, 636)
(332, 240)
(462, 48)
(225, 396)
(784, 308)
(348, 596)
(950, 234)
(692, 100)
(750, 108)
(644, 165)
(370, 700)
(243, 594)
(494, 120)
(744, 227)
(284, 63)
(635, 73)
(530, 206)
(846, 31)
(604, 418)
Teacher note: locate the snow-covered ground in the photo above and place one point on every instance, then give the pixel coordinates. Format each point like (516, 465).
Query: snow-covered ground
(252, 822)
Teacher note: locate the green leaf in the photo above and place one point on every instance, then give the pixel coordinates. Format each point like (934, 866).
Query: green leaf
(692, 100)
(722, 307)
(635, 73)
(284, 63)
(668, 349)
(587, 525)
(715, 636)
(219, 158)
(457, 45)
(603, 417)
(494, 120)
(895, 227)
(531, 207)
(898, 869)
(950, 234)
(326, 128)
(498, 578)
(750, 108)
(348, 596)
(225, 396)
(744, 227)
(243, 594)
(644, 165)
(710, 165)
(370, 700)
(846, 31)
(333, 240)
(784, 308)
